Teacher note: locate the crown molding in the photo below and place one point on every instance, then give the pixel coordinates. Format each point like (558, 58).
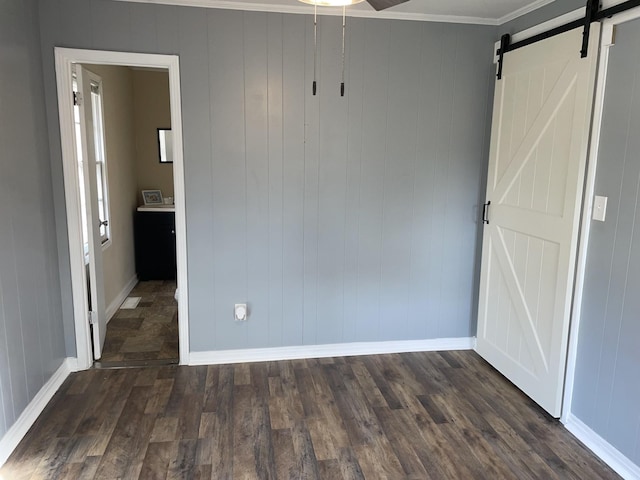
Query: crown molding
(523, 11)
(306, 10)
(337, 11)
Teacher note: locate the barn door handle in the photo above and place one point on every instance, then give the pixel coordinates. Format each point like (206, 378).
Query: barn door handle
(485, 210)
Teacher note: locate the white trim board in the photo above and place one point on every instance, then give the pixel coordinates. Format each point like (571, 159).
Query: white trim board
(585, 222)
(64, 59)
(114, 306)
(603, 449)
(330, 350)
(19, 429)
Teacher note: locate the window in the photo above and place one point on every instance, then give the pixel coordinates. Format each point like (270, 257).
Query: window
(102, 187)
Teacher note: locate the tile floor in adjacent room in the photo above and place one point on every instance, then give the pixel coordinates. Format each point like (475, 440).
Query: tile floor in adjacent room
(147, 333)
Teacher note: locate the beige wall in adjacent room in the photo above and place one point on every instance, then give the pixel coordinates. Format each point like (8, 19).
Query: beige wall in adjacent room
(152, 110)
(117, 95)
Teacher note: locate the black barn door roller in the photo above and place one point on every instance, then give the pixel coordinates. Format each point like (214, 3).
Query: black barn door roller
(592, 14)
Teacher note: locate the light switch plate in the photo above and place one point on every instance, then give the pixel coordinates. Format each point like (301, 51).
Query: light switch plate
(599, 208)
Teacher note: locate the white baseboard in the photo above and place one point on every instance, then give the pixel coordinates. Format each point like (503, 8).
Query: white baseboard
(331, 350)
(19, 429)
(603, 449)
(121, 297)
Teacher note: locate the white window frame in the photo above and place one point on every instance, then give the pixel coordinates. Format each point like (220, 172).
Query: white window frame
(101, 160)
(96, 82)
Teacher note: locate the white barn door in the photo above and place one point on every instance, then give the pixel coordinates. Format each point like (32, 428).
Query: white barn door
(539, 144)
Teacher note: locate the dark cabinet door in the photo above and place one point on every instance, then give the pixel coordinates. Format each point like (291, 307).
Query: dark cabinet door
(155, 244)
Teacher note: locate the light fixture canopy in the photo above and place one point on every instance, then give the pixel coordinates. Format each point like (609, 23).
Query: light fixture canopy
(331, 3)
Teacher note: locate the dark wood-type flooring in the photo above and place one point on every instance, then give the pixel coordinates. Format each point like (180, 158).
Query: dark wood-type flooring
(416, 415)
(148, 332)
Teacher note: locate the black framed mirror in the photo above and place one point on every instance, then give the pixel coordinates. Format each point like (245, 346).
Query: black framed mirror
(165, 145)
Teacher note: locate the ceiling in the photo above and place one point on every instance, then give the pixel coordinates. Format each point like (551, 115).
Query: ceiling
(490, 12)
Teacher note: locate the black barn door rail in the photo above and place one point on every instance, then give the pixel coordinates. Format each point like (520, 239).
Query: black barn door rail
(592, 14)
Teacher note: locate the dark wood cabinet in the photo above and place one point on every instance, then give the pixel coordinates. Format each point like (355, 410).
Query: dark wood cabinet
(155, 245)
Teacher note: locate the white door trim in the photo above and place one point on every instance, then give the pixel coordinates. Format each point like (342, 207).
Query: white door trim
(607, 41)
(64, 58)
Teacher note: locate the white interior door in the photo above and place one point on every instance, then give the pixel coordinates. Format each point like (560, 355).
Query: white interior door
(539, 142)
(96, 276)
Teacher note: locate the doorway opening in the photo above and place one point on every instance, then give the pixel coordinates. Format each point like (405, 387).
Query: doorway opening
(128, 225)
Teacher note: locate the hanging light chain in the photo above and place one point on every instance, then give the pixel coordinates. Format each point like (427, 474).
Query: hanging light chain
(315, 46)
(344, 33)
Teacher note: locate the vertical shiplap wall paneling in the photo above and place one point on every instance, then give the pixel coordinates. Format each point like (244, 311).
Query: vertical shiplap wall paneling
(12, 185)
(74, 21)
(275, 139)
(49, 295)
(470, 92)
(372, 189)
(354, 91)
(144, 28)
(336, 218)
(111, 26)
(47, 291)
(14, 373)
(50, 36)
(227, 62)
(401, 139)
(332, 156)
(197, 141)
(310, 201)
(31, 328)
(167, 26)
(256, 92)
(295, 86)
(26, 233)
(441, 218)
(423, 281)
(6, 396)
(606, 389)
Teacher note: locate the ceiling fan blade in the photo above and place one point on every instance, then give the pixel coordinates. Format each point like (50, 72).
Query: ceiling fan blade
(382, 4)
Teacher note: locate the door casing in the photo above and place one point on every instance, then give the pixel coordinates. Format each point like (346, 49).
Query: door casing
(64, 60)
(606, 42)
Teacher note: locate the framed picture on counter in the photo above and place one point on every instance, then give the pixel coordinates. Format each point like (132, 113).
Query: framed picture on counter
(152, 197)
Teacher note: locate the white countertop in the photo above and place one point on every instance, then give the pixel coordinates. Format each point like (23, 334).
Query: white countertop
(157, 208)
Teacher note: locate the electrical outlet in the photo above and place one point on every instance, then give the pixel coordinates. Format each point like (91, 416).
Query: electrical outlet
(240, 312)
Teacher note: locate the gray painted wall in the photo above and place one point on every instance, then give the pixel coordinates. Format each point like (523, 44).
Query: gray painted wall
(336, 219)
(31, 331)
(607, 386)
(542, 14)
